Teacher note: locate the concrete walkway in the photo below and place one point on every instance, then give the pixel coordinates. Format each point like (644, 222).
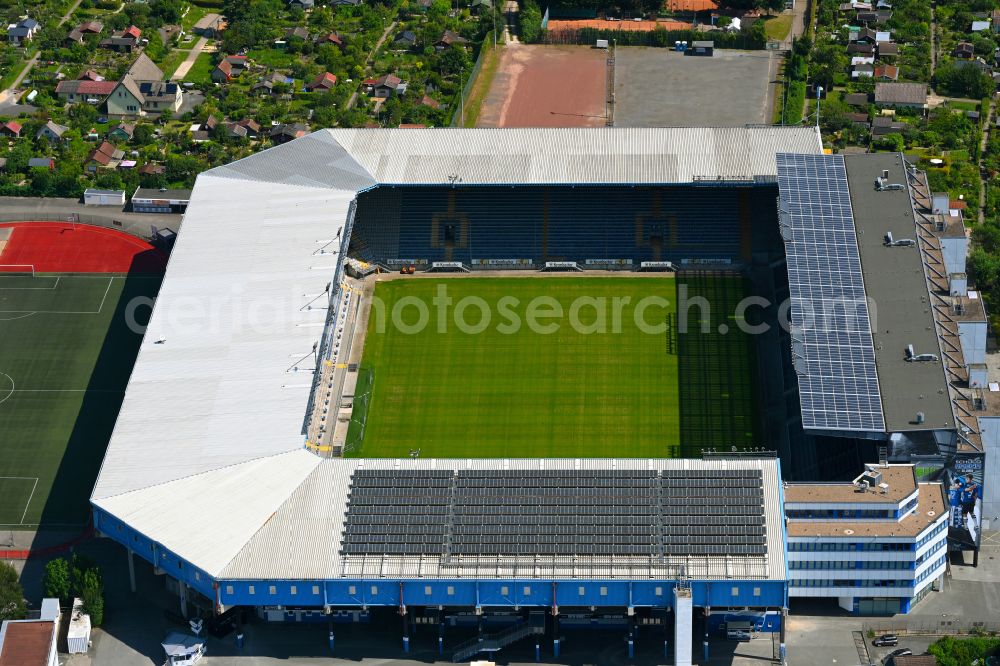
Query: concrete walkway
(185, 67)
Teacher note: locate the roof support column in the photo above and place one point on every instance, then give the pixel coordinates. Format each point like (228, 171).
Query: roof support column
(782, 655)
(683, 625)
(131, 569)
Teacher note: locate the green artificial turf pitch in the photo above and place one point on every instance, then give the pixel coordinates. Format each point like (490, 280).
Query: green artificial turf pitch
(574, 392)
(65, 358)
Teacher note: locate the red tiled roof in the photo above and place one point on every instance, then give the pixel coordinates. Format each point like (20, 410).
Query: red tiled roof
(13, 126)
(86, 87)
(324, 80)
(225, 67)
(132, 31)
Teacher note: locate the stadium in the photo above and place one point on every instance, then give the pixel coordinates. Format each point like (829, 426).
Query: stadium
(277, 449)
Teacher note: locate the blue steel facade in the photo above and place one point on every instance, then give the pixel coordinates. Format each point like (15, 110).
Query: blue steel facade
(472, 593)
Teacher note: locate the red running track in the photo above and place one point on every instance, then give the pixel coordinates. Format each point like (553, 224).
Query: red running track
(60, 247)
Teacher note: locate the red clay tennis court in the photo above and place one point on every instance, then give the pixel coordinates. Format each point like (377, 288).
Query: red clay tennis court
(62, 247)
(547, 86)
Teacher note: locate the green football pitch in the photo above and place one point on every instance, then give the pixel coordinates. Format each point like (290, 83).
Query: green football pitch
(66, 352)
(563, 367)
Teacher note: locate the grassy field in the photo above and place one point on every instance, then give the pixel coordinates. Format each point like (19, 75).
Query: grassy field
(201, 70)
(518, 391)
(778, 27)
(65, 357)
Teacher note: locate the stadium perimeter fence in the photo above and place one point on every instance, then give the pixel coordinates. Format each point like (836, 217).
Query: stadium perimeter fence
(658, 38)
(140, 228)
(463, 97)
(936, 626)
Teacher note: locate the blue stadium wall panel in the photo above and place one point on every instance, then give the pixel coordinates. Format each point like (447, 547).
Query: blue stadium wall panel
(560, 223)
(468, 593)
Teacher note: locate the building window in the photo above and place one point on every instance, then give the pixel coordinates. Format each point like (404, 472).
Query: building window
(427, 590)
(351, 589)
(756, 591)
(604, 591)
(527, 590)
(316, 589)
(582, 590)
(451, 590)
(229, 589)
(736, 591)
(504, 590)
(272, 590)
(197, 576)
(374, 590)
(251, 590)
(658, 591)
(294, 590)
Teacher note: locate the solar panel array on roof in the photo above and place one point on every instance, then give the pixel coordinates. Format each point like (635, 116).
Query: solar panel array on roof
(832, 346)
(555, 512)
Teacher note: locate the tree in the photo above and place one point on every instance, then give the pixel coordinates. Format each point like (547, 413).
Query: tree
(455, 59)
(55, 580)
(531, 22)
(92, 595)
(11, 594)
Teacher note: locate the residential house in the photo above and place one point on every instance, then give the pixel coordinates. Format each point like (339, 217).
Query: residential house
(964, 51)
(74, 37)
(862, 70)
(144, 69)
(209, 25)
(344, 3)
(857, 99)
(422, 5)
(138, 98)
(977, 63)
(909, 95)
(151, 169)
(251, 126)
(223, 72)
(298, 32)
(322, 83)
(301, 4)
(89, 75)
(11, 129)
(430, 102)
(266, 86)
(995, 21)
(77, 91)
(385, 86)
(980, 26)
(125, 41)
(32, 642)
(448, 38)
(865, 35)
(236, 131)
(52, 131)
(406, 39)
(122, 131)
(331, 38)
(479, 6)
(880, 16)
(41, 163)
(883, 125)
(887, 49)
(77, 34)
(861, 49)
(287, 132)
(104, 156)
(858, 119)
(886, 73)
(22, 31)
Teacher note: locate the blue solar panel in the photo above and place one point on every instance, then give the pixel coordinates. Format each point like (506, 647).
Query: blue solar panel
(831, 334)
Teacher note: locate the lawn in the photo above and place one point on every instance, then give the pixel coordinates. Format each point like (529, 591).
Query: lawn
(521, 391)
(778, 27)
(201, 70)
(481, 86)
(65, 358)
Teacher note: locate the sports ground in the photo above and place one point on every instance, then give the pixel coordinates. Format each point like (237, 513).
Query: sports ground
(66, 351)
(580, 381)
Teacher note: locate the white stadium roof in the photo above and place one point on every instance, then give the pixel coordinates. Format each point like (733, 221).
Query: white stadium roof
(208, 446)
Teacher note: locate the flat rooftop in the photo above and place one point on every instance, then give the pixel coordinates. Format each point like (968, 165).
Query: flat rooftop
(930, 509)
(899, 304)
(901, 480)
(26, 643)
(146, 193)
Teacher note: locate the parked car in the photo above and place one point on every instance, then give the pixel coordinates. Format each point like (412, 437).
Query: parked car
(901, 652)
(738, 635)
(886, 640)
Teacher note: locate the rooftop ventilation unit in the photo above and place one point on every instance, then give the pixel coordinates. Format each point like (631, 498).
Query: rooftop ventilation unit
(940, 224)
(861, 487)
(883, 488)
(912, 357)
(882, 184)
(902, 242)
(958, 308)
(978, 404)
(920, 418)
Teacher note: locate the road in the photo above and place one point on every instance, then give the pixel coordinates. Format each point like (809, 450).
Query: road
(4, 95)
(371, 59)
(185, 67)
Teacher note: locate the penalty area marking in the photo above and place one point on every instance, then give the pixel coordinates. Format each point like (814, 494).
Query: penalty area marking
(31, 495)
(55, 284)
(28, 313)
(5, 394)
